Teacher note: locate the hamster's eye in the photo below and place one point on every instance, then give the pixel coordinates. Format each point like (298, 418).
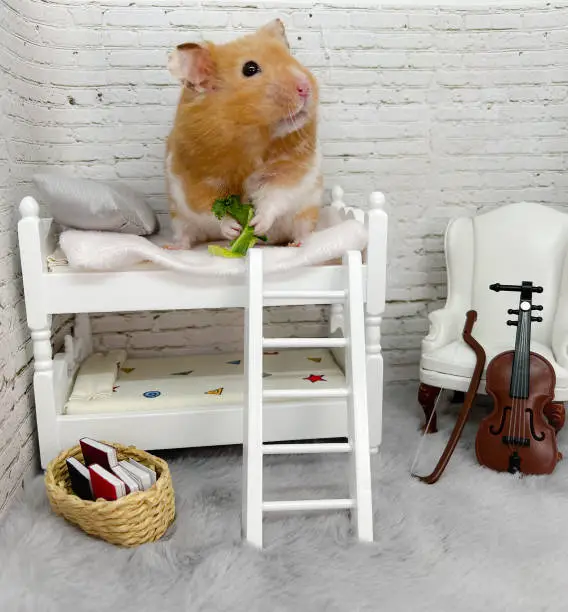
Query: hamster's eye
(250, 69)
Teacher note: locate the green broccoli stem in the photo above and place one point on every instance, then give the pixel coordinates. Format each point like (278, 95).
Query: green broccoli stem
(245, 241)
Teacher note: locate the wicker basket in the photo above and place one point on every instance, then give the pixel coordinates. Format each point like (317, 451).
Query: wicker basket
(129, 521)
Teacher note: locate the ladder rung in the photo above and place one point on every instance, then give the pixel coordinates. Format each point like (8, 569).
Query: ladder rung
(305, 393)
(273, 343)
(333, 296)
(306, 449)
(308, 504)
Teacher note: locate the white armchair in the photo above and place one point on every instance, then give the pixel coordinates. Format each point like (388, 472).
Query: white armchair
(508, 245)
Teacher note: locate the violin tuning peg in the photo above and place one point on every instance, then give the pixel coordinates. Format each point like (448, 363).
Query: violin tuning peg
(512, 311)
(536, 319)
(512, 322)
(536, 307)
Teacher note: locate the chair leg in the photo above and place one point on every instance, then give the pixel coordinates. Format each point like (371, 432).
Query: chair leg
(556, 415)
(427, 396)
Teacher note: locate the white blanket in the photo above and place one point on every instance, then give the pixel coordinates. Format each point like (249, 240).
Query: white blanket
(101, 251)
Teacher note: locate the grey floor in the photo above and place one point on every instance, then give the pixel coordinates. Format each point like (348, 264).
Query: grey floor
(476, 541)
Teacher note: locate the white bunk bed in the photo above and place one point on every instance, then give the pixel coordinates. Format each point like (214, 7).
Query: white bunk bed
(202, 418)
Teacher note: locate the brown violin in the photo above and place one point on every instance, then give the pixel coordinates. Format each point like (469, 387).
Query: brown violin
(516, 437)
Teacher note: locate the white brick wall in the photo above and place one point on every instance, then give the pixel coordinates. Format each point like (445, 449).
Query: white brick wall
(18, 134)
(17, 424)
(448, 107)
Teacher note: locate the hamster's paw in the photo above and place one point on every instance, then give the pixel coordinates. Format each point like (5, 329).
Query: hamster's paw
(178, 244)
(263, 221)
(230, 228)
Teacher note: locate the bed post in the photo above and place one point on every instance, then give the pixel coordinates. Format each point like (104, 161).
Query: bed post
(32, 237)
(336, 310)
(336, 319)
(376, 256)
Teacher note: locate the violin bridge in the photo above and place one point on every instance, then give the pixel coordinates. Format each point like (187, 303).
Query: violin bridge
(514, 441)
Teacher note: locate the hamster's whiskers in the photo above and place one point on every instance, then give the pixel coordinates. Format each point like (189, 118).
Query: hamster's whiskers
(292, 119)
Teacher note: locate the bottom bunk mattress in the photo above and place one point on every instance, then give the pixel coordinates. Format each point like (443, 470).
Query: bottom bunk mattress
(113, 382)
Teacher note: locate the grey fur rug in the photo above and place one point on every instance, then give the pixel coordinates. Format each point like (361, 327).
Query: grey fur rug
(476, 541)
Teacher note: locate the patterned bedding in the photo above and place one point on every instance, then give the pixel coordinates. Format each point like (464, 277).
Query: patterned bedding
(120, 384)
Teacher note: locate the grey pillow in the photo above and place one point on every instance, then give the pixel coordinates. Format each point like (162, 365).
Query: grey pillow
(93, 205)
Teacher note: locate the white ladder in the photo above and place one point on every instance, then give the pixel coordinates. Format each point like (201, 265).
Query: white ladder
(355, 392)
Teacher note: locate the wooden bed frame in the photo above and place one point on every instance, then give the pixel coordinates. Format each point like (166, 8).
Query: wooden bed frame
(140, 289)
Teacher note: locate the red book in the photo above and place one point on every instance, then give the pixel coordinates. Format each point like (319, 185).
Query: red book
(106, 485)
(98, 452)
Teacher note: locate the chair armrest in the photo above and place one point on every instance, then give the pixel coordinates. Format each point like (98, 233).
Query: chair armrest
(560, 333)
(445, 325)
(560, 347)
(560, 326)
(447, 322)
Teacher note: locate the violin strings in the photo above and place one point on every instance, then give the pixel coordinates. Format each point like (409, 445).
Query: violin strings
(522, 376)
(526, 337)
(521, 372)
(519, 375)
(527, 367)
(513, 419)
(516, 387)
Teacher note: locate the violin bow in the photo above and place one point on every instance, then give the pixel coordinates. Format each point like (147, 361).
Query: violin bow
(471, 317)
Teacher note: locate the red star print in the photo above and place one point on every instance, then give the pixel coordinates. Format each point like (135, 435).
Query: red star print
(316, 378)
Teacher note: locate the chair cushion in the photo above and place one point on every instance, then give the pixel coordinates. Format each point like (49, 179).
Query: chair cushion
(458, 359)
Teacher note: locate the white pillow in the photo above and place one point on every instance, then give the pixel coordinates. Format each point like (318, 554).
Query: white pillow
(93, 205)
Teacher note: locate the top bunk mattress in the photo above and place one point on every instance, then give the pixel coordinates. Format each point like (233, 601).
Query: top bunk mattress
(88, 252)
(78, 250)
(118, 384)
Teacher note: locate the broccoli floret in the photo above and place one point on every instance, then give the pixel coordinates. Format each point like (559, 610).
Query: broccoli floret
(232, 205)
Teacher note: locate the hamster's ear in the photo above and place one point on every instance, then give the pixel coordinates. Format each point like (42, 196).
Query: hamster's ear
(275, 28)
(193, 65)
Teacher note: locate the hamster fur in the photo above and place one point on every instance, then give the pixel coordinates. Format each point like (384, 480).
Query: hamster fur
(246, 124)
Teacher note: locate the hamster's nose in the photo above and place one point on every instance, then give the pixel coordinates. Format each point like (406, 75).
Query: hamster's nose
(303, 88)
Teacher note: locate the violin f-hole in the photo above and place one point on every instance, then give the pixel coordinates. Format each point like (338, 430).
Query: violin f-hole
(501, 424)
(531, 425)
